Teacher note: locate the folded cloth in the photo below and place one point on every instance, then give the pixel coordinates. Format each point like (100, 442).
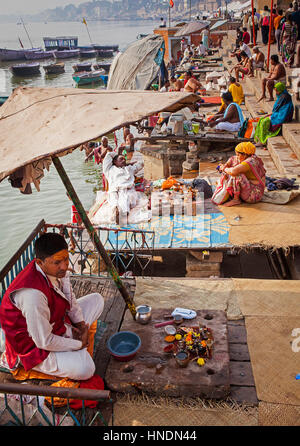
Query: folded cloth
(280, 183)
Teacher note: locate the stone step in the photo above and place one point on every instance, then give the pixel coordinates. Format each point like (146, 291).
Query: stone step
(269, 164)
(291, 134)
(283, 156)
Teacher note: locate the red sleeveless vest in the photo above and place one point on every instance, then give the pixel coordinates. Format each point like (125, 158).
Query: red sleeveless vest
(18, 343)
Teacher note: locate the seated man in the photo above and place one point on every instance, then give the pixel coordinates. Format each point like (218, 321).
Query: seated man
(277, 74)
(122, 196)
(242, 67)
(232, 119)
(45, 326)
(201, 49)
(257, 61)
(192, 85)
(242, 47)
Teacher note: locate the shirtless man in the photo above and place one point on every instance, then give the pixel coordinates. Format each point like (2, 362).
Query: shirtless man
(277, 74)
(193, 85)
(231, 119)
(257, 61)
(100, 151)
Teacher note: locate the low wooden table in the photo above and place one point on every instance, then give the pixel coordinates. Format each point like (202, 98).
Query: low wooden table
(157, 373)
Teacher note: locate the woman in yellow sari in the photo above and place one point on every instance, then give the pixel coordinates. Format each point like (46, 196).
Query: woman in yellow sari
(243, 177)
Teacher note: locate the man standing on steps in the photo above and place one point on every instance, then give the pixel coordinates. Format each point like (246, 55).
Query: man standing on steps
(277, 74)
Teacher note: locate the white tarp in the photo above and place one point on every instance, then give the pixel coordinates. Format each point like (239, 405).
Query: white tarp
(138, 66)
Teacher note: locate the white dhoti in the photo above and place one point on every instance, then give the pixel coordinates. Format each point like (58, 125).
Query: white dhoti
(77, 364)
(229, 126)
(123, 199)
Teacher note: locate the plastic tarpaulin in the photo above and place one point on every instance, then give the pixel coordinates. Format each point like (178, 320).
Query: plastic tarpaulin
(138, 66)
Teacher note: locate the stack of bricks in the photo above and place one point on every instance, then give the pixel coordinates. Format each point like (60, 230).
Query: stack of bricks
(200, 265)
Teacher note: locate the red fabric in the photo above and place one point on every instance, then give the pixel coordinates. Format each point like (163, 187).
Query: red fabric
(246, 37)
(76, 219)
(212, 99)
(18, 343)
(95, 382)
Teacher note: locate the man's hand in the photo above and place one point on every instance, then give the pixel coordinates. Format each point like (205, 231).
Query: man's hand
(80, 332)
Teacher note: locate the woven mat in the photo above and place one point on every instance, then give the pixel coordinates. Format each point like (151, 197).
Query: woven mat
(273, 361)
(264, 224)
(142, 411)
(268, 297)
(278, 415)
(194, 294)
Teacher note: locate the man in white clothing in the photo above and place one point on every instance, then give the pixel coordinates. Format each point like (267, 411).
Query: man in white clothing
(122, 196)
(46, 327)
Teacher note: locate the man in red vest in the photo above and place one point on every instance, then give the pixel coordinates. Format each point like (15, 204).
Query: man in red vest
(45, 326)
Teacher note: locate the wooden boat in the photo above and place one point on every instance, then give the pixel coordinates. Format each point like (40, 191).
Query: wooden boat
(66, 54)
(26, 69)
(38, 55)
(7, 55)
(83, 66)
(105, 53)
(60, 43)
(54, 68)
(102, 66)
(88, 53)
(88, 77)
(106, 47)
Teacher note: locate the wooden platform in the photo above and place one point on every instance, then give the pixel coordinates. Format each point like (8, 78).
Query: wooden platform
(157, 373)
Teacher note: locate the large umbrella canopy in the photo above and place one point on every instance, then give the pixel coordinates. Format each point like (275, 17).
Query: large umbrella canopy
(39, 122)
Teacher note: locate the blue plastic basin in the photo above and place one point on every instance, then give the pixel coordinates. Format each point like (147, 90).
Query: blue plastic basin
(124, 345)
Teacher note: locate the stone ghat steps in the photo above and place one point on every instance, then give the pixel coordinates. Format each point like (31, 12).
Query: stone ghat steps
(282, 156)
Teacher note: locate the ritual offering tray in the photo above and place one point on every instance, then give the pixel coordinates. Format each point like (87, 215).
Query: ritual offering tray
(192, 361)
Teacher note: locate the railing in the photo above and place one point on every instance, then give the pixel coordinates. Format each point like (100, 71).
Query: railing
(129, 250)
(23, 405)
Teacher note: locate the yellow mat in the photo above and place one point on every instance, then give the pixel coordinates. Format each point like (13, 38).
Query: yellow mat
(264, 224)
(195, 294)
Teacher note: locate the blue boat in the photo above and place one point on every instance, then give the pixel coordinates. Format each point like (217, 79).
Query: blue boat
(88, 77)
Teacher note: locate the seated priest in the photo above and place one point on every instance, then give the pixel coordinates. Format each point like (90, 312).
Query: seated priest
(46, 328)
(122, 195)
(232, 119)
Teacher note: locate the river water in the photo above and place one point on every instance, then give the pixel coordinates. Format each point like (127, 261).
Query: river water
(19, 213)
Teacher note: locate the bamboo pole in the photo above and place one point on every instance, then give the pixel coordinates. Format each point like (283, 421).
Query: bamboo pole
(270, 29)
(94, 236)
(253, 26)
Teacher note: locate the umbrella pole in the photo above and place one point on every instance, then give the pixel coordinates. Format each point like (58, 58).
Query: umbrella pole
(94, 236)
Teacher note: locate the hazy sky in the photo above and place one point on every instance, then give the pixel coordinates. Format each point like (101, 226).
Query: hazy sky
(33, 6)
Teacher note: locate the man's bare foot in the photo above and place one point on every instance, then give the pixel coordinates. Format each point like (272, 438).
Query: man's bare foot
(232, 202)
(270, 100)
(260, 99)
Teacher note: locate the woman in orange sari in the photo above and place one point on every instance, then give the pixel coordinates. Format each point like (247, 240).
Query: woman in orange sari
(243, 178)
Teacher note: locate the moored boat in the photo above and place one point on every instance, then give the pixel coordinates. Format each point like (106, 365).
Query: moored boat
(66, 54)
(107, 47)
(38, 55)
(88, 53)
(103, 66)
(7, 55)
(105, 53)
(55, 68)
(89, 77)
(25, 69)
(83, 66)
